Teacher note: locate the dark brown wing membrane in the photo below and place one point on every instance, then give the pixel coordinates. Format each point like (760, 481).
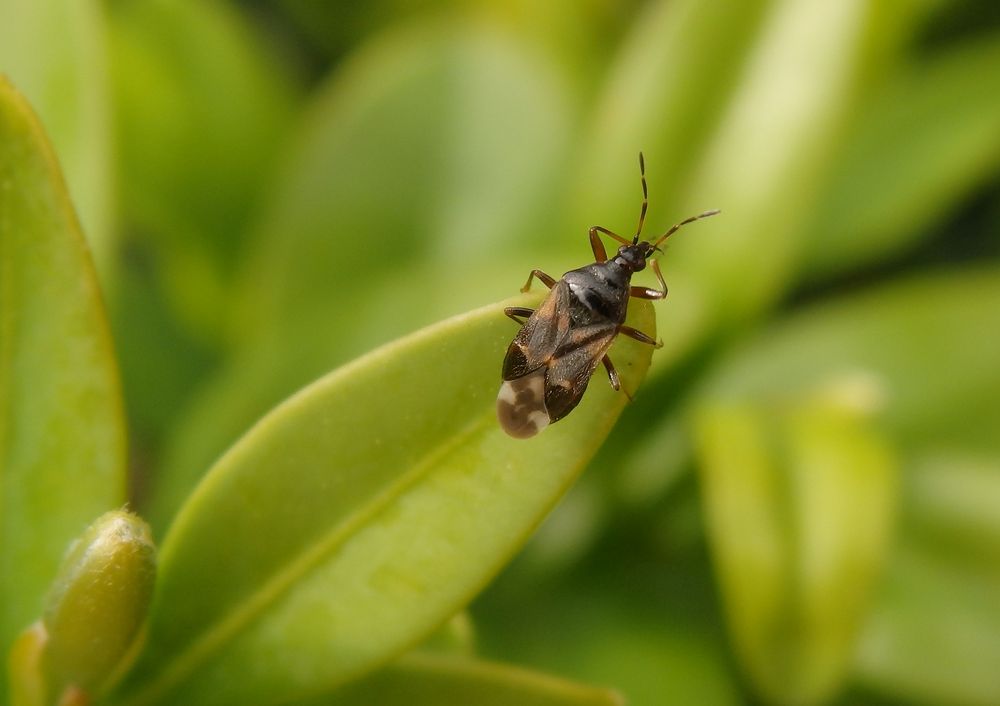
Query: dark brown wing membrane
(541, 336)
(571, 367)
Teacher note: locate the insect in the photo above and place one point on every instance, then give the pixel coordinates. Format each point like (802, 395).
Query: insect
(552, 358)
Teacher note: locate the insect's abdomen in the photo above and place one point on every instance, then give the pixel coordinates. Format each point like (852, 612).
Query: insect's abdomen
(521, 407)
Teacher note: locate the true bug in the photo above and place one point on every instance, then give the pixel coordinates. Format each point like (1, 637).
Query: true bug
(551, 359)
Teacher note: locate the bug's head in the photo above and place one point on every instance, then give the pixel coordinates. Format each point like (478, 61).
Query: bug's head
(634, 256)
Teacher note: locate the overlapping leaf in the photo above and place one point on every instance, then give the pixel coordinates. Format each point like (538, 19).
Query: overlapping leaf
(359, 515)
(62, 442)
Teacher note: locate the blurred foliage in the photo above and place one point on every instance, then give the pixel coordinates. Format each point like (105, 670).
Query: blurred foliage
(799, 507)
(62, 436)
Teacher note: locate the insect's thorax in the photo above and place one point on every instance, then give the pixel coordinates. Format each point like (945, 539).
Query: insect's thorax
(599, 293)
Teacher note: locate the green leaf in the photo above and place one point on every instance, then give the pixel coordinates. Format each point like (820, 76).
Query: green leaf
(928, 341)
(366, 201)
(186, 219)
(663, 96)
(798, 502)
(259, 376)
(929, 137)
(62, 440)
(931, 347)
(935, 633)
(766, 164)
(644, 622)
(98, 602)
(462, 175)
(422, 679)
(24, 667)
(54, 52)
(951, 504)
(170, 58)
(752, 135)
(359, 515)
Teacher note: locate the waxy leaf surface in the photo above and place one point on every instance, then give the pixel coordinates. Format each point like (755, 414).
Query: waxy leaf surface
(359, 515)
(62, 442)
(422, 679)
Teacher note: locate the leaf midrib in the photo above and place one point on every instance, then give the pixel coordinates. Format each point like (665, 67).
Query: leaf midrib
(254, 605)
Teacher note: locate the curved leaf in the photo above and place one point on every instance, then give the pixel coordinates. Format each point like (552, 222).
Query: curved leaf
(259, 376)
(362, 189)
(359, 515)
(935, 634)
(930, 137)
(799, 498)
(422, 679)
(62, 441)
(170, 58)
(365, 196)
(663, 95)
(929, 341)
(54, 51)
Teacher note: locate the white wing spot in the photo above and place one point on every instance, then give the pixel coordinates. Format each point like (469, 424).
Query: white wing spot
(521, 405)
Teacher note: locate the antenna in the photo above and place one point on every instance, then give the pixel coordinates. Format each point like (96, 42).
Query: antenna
(676, 227)
(645, 198)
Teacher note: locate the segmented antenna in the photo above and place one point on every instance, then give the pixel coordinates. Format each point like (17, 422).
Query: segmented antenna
(645, 199)
(677, 226)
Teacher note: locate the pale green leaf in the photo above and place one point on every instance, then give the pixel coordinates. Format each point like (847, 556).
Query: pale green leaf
(54, 52)
(929, 342)
(935, 632)
(928, 138)
(98, 602)
(664, 95)
(798, 502)
(765, 165)
(364, 194)
(259, 376)
(645, 623)
(195, 158)
(365, 197)
(359, 515)
(935, 635)
(928, 348)
(62, 441)
(423, 679)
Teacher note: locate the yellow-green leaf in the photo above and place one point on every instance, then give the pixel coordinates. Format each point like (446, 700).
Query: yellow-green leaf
(62, 442)
(98, 602)
(54, 52)
(799, 499)
(359, 515)
(423, 679)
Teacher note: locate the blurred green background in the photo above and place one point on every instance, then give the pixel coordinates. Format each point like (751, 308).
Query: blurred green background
(803, 503)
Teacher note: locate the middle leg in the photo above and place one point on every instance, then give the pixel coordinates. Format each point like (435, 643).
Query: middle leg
(547, 280)
(649, 292)
(639, 336)
(616, 382)
(516, 313)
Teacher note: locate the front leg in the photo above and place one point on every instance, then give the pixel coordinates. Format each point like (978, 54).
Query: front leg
(600, 254)
(648, 292)
(516, 313)
(546, 280)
